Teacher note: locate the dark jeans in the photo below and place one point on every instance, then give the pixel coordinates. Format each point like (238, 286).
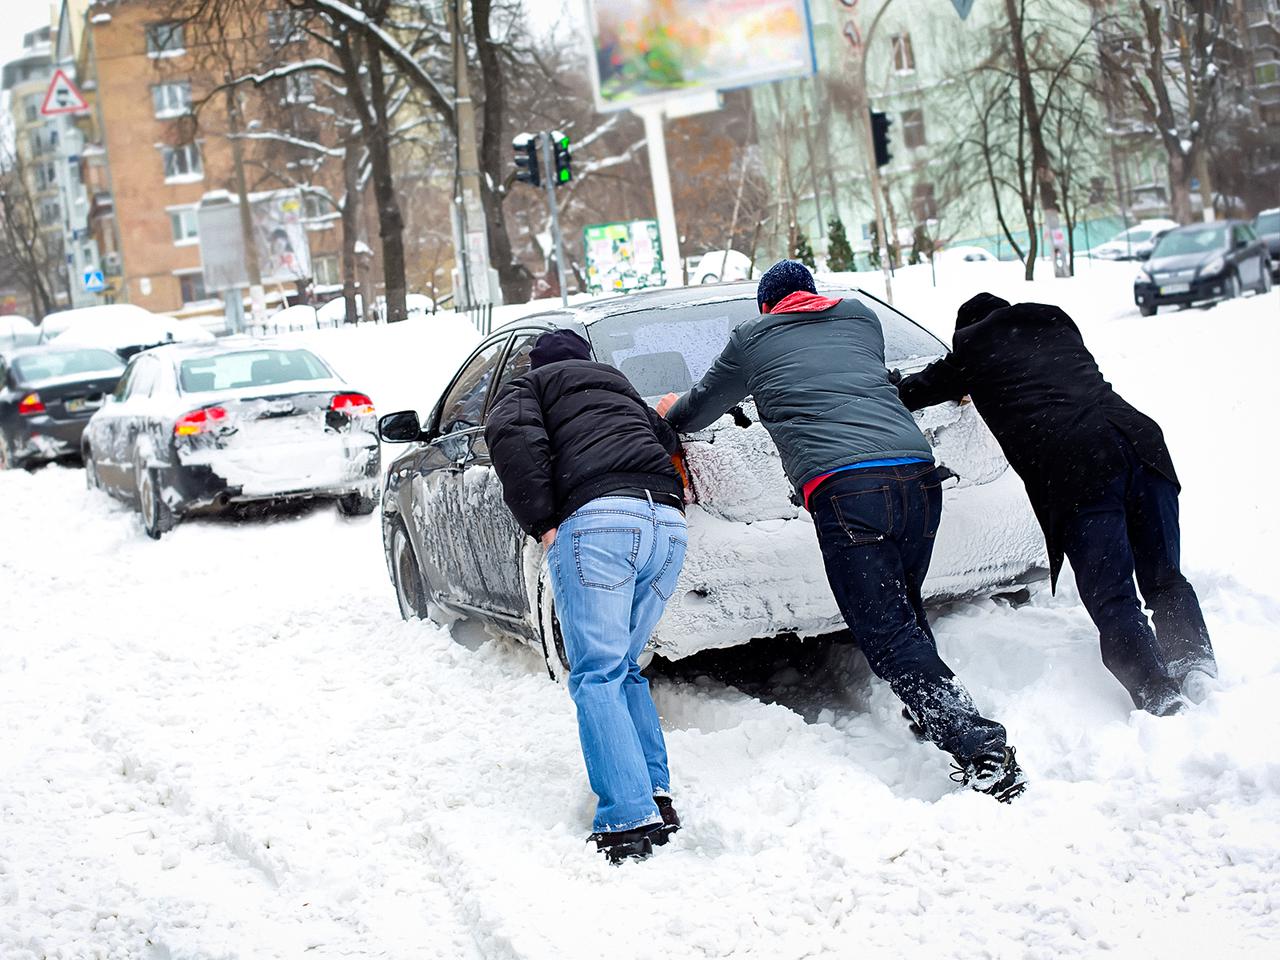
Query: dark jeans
(876, 527)
(1132, 530)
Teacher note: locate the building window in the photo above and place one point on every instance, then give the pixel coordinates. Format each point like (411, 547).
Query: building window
(299, 88)
(182, 162)
(283, 26)
(32, 105)
(183, 223)
(192, 287)
(1265, 73)
(913, 128)
(923, 203)
(904, 61)
(171, 99)
(50, 213)
(326, 271)
(165, 39)
(316, 205)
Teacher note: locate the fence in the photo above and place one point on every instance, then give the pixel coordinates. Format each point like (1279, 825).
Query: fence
(481, 317)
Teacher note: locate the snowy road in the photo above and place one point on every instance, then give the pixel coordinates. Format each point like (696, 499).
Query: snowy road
(227, 745)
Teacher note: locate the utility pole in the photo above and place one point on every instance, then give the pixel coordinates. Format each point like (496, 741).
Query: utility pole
(248, 236)
(656, 141)
(549, 160)
(471, 235)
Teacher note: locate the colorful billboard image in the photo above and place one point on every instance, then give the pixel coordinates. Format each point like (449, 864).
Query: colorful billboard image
(651, 50)
(623, 256)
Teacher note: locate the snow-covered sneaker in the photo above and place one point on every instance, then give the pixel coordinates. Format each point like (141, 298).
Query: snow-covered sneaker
(1197, 684)
(622, 845)
(1162, 699)
(996, 774)
(670, 820)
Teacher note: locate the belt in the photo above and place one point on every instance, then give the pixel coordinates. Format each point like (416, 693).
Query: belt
(665, 499)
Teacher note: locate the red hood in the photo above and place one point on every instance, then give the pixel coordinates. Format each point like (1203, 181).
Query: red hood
(802, 301)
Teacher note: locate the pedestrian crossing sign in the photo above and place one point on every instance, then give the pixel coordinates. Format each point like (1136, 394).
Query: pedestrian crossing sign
(94, 281)
(62, 96)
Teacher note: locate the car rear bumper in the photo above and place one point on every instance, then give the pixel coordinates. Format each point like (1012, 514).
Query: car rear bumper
(329, 466)
(747, 580)
(1198, 290)
(42, 439)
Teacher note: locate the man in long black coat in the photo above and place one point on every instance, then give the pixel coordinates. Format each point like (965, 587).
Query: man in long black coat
(1099, 478)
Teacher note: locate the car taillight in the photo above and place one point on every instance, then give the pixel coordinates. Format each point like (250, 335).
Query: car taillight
(351, 403)
(30, 404)
(198, 421)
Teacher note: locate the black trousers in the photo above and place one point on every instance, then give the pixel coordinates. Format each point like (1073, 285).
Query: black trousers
(876, 527)
(1130, 532)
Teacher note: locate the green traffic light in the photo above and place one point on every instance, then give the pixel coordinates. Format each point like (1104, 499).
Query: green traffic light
(564, 176)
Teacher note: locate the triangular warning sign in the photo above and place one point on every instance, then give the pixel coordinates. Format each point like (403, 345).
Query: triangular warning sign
(63, 97)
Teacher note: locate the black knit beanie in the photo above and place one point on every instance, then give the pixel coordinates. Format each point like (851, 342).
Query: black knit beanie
(978, 308)
(781, 280)
(557, 345)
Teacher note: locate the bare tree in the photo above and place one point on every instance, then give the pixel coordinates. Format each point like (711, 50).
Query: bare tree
(28, 258)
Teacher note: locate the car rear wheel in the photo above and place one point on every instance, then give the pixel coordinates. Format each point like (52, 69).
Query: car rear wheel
(90, 470)
(6, 458)
(411, 587)
(553, 652)
(157, 518)
(1264, 284)
(1147, 309)
(1231, 289)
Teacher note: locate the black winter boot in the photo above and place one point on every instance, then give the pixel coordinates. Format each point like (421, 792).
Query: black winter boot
(996, 774)
(622, 845)
(670, 820)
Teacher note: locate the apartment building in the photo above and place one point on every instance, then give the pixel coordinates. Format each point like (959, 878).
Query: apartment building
(159, 144)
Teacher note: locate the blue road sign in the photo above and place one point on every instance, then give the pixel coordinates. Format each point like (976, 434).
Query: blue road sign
(94, 281)
(963, 7)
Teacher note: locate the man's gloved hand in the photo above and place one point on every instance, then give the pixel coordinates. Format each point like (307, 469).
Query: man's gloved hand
(666, 403)
(895, 376)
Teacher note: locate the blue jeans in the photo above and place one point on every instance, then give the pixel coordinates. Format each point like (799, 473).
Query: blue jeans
(1132, 531)
(613, 567)
(876, 527)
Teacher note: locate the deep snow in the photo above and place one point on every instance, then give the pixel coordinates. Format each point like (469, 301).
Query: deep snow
(227, 745)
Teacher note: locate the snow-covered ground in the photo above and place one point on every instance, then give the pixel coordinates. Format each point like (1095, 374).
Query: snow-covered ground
(227, 745)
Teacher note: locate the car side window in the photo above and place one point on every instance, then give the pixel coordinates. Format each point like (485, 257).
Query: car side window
(518, 360)
(144, 377)
(463, 407)
(126, 380)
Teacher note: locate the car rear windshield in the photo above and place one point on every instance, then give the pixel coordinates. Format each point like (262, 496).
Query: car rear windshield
(249, 368)
(1269, 222)
(1196, 240)
(670, 349)
(54, 365)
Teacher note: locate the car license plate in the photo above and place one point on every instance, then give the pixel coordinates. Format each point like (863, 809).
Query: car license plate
(80, 404)
(1172, 288)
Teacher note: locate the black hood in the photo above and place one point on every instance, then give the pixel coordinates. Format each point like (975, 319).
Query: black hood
(556, 345)
(978, 308)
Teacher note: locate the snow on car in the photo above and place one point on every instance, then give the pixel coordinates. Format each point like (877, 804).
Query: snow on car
(121, 327)
(754, 567)
(1135, 243)
(196, 428)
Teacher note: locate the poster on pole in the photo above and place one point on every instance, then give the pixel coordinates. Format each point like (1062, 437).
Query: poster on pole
(647, 51)
(623, 256)
(284, 255)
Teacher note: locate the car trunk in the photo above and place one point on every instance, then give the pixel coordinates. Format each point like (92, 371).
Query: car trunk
(73, 399)
(281, 442)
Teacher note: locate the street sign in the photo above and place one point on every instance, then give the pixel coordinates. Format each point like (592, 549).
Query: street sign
(62, 97)
(963, 7)
(94, 282)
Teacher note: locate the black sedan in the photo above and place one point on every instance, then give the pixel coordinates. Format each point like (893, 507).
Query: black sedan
(1203, 262)
(754, 568)
(198, 428)
(47, 396)
(1267, 225)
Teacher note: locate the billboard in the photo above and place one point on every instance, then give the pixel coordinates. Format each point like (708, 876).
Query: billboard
(623, 256)
(646, 51)
(284, 256)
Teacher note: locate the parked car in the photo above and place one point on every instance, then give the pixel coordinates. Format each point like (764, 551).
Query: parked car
(753, 568)
(1135, 243)
(966, 255)
(47, 396)
(122, 327)
(1201, 262)
(16, 331)
(1267, 226)
(196, 428)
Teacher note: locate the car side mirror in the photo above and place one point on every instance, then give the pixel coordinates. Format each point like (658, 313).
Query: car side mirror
(1241, 243)
(399, 427)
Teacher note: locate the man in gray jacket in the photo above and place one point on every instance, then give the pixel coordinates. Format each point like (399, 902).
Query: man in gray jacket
(815, 366)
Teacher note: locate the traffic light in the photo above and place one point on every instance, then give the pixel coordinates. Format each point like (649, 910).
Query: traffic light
(880, 124)
(527, 167)
(560, 146)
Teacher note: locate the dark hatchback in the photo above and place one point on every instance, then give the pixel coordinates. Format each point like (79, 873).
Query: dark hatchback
(47, 396)
(1267, 225)
(1203, 262)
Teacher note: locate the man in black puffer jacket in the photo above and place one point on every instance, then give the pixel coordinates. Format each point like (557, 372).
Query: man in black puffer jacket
(586, 467)
(1099, 478)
